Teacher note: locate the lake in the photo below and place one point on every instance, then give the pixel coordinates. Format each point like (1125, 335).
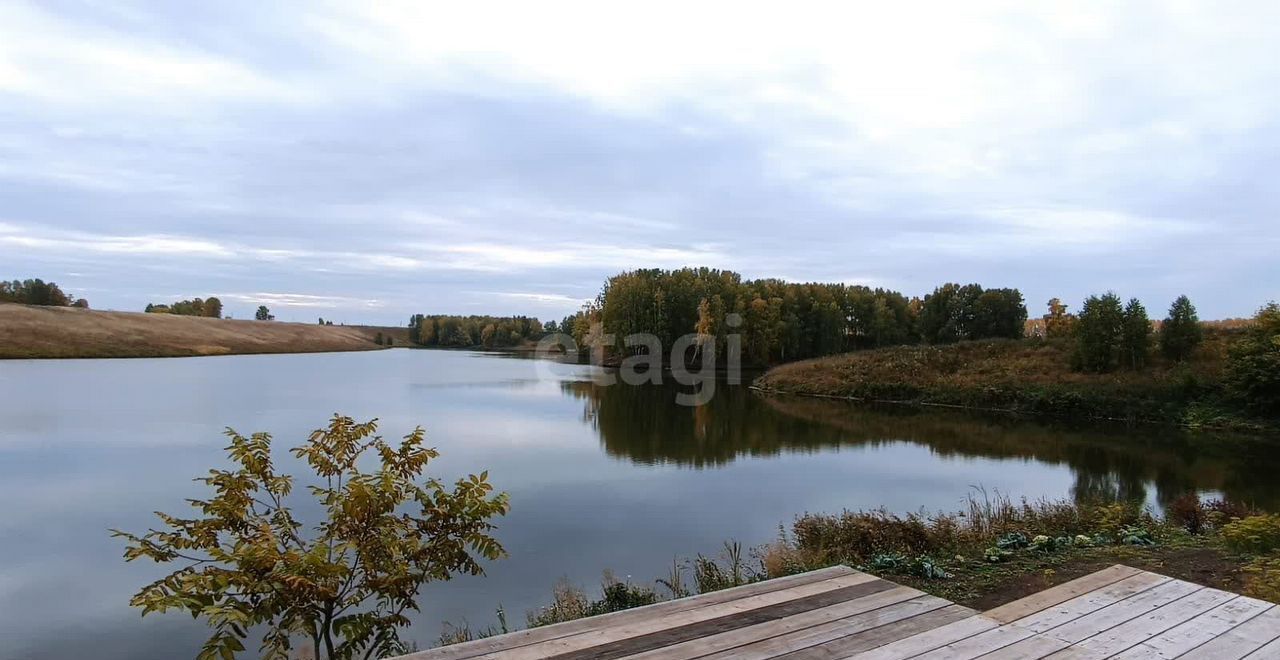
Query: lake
(600, 478)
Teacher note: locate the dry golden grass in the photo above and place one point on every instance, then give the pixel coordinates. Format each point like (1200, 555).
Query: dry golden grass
(66, 332)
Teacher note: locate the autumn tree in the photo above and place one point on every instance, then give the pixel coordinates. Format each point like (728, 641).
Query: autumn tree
(344, 584)
(1058, 323)
(1180, 332)
(213, 308)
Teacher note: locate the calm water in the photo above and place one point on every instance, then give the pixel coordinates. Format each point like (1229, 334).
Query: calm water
(600, 477)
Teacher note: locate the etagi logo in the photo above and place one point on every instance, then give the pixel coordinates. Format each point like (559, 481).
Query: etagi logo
(645, 359)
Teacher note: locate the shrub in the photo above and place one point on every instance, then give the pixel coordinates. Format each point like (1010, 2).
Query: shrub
(1222, 512)
(568, 602)
(1188, 512)
(621, 596)
(345, 584)
(1263, 579)
(853, 536)
(1254, 534)
(1253, 364)
(711, 576)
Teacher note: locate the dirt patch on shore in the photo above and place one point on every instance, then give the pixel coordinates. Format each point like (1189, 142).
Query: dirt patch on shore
(985, 589)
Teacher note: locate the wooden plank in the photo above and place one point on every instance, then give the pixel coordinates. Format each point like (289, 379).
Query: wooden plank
(795, 644)
(1117, 613)
(1039, 646)
(608, 635)
(1018, 609)
(798, 626)
(930, 639)
(851, 645)
(1047, 618)
(1086, 604)
(1241, 640)
(980, 644)
(760, 616)
(1199, 630)
(543, 633)
(1142, 628)
(1269, 652)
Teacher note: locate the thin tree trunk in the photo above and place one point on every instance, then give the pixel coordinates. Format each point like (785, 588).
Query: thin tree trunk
(327, 631)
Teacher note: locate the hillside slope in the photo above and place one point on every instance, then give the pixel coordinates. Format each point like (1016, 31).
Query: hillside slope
(1017, 375)
(66, 332)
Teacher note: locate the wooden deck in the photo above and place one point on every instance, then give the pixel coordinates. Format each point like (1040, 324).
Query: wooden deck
(1119, 612)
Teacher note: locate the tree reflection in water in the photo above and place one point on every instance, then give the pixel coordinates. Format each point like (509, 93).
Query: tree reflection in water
(643, 424)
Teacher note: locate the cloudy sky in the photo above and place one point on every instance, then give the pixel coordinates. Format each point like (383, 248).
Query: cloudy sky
(365, 160)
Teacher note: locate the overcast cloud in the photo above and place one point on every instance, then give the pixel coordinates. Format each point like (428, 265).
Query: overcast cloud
(363, 161)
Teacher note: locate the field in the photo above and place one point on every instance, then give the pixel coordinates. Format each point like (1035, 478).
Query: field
(1033, 376)
(67, 332)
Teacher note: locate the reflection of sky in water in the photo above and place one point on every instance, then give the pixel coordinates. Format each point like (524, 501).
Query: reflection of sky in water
(88, 445)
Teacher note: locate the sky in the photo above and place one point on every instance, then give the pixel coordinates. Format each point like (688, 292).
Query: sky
(364, 161)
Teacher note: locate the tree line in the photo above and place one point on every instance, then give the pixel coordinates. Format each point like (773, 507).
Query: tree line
(780, 321)
(469, 331)
(1109, 336)
(38, 292)
(209, 307)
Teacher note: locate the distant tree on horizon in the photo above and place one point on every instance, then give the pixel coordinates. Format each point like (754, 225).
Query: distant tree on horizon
(1058, 322)
(1180, 333)
(1099, 333)
(955, 313)
(263, 314)
(211, 308)
(36, 292)
(1136, 335)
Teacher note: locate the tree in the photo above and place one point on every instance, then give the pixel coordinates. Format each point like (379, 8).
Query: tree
(211, 308)
(345, 586)
(263, 314)
(1253, 363)
(1058, 323)
(954, 313)
(1099, 332)
(1180, 333)
(34, 292)
(378, 339)
(1136, 335)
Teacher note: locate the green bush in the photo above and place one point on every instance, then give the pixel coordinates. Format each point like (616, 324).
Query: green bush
(1253, 365)
(1255, 534)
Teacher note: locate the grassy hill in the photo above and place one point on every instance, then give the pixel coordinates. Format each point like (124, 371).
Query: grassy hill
(67, 332)
(1032, 376)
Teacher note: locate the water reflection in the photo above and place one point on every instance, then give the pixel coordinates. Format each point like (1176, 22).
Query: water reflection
(1108, 463)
